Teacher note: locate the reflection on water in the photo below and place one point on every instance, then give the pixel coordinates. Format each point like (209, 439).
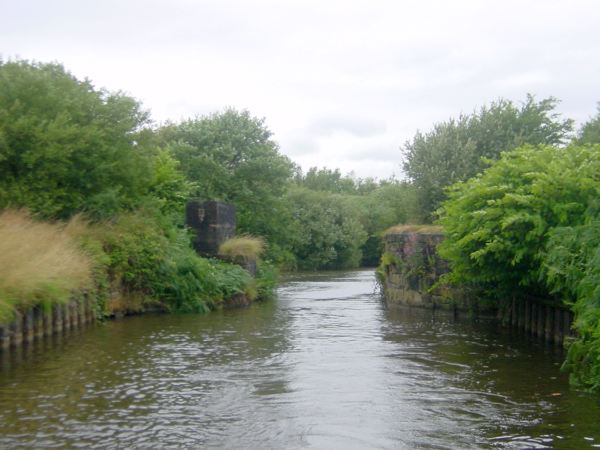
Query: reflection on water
(324, 366)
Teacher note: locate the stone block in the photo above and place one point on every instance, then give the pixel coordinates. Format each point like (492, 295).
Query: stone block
(212, 222)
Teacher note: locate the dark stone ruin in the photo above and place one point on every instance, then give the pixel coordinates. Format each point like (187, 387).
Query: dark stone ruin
(213, 223)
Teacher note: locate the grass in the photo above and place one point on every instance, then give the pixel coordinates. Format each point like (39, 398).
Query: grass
(40, 263)
(245, 247)
(411, 228)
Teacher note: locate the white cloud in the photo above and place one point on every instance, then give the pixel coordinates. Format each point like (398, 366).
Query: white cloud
(340, 83)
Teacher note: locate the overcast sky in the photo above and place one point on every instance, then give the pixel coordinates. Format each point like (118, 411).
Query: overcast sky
(340, 83)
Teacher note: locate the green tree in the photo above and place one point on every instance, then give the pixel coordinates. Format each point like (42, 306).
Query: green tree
(458, 149)
(590, 131)
(66, 146)
(230, 156)
(327, 180)
(326, 232)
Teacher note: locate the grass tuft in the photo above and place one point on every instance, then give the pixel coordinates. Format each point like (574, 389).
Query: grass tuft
(40, 263)
(245, 247)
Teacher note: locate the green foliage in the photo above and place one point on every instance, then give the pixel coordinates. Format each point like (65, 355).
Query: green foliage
(326, 231)
(497, 224)
(326, 180)
(572, 269)
(459, 149)
(590, 131)
(531, 224)
(154, 261)
(169, 188)
(377, 205)
(390, 203)
(230, 156)
(266, 280)
(67, 147)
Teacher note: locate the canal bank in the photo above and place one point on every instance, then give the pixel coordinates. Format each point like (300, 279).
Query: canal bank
(325, 365)
(62, 276)
(411, 275)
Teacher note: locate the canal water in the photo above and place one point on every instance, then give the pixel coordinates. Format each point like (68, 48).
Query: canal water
(324, 366)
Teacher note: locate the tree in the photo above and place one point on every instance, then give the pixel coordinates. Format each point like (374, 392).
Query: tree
(459, 149)
(66, 146)
(327, 180)
(230, 156)
(590, 131)
(326, 232)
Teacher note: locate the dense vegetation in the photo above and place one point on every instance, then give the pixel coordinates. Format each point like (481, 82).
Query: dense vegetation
(67, 149)
(528, 226)
(514, 187)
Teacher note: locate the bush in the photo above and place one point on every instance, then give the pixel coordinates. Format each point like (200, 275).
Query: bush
(153, 263)
(530, 224)
(497, 224)
(572, 269)
(67, 147)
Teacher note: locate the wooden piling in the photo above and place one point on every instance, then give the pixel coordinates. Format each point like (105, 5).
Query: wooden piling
(38, 322)
(549, 319)
(27, 327)
(16, 330)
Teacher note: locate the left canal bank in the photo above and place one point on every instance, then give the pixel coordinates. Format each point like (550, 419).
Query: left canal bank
(58, 277)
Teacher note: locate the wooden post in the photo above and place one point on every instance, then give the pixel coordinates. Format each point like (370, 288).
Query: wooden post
(513, 312)
(531, 322)
(47, 322)
(16, 330)
(558, 333)
(28, 326)
(4, 338)
(549, 323)
(38, 322)
(57, 318)
(542, 321)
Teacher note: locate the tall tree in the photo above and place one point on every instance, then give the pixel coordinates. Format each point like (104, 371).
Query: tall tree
(458, 149)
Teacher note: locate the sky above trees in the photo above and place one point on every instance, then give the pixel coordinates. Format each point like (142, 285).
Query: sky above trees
(340, 84)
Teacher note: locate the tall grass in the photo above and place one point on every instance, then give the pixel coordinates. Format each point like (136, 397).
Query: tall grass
(244, 247)
(40, 263)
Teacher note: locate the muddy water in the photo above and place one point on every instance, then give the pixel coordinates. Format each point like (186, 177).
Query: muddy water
(326, 365)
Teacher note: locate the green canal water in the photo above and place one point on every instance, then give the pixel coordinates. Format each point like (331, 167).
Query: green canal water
(325, 365)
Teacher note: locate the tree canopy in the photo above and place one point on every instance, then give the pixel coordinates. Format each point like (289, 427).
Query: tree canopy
(230, 156)
(458, 149)
(66, 146)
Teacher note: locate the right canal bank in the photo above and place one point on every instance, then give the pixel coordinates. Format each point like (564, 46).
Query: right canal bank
(410, 275)
(325, 365)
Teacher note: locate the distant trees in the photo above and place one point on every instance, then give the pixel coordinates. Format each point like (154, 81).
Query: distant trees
(456, 150)
(590, 131)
